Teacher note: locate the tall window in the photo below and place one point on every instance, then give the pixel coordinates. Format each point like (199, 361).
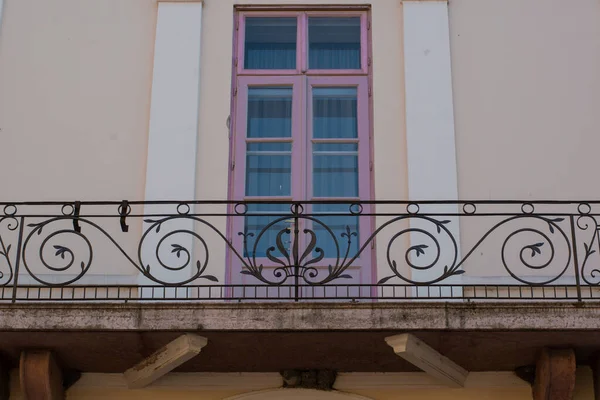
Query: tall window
(301, 126)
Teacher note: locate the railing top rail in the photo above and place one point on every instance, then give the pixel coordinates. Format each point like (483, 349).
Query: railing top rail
(323, 201)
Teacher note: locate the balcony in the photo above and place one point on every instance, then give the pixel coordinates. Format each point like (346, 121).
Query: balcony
(215, 251)
(281, 286)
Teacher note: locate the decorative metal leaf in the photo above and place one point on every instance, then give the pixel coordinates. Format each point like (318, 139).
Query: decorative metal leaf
(459, 272)
(587, 248)
(535, 248)
(7, 249)
(418, 249)
(348, 233)
(384, 280)
(311, 245)
(321, 255)
(210, 278)
(246, 272)
(280, 246)
(271, 257)
(60, 251)
(346, 276)
(82, 265)
(150, 221)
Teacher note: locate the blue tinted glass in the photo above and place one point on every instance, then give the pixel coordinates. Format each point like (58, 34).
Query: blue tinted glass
(334, 43)
(268, 169)
(338, 224)
(335, 170)
(270, 43)
(335, 113)
(269, 112)
(258, 223)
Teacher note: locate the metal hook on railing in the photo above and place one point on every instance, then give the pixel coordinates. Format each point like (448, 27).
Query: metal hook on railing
(76, 208)
(124, 209)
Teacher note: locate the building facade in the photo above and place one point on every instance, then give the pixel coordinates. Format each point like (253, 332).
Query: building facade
(294, 198)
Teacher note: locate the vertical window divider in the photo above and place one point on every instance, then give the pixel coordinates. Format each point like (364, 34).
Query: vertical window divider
(303, 43)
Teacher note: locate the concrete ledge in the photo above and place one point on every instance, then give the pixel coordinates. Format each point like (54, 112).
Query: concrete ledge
(305, 316)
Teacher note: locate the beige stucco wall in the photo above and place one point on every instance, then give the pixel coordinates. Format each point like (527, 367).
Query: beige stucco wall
(74, 98)
(526, 97)
(75, 84)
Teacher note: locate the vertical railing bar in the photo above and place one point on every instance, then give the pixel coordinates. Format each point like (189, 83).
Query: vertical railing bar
(18, 260)
(575, 257)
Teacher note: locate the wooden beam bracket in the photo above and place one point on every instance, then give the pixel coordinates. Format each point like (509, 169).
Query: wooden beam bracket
(164, 360)
(418, 353)
(555, 375)
(41, 377)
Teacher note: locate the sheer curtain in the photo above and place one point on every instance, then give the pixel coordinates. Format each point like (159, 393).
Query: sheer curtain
(335, 163)
(334, 56)
(334, 43)
(268, 163)
(270, 43)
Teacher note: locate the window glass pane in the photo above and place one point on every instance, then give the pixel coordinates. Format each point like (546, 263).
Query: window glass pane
(334, 43)
(337, 223)
(255, 224)
(335, 170)
(270, 43)
(269, 112)
(335, 113)
(268, 169)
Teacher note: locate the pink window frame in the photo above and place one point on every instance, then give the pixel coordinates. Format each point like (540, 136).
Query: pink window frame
(242, 79)
(367, 264)
(302, 42)
(239, 150)
(241, 36)
(364, 50)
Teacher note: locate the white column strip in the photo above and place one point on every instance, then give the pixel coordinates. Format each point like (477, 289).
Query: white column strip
(171, 165)
(1, 8)
(430, 126)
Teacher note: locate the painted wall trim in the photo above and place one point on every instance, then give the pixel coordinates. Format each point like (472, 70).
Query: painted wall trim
(431, 152)
(174, 109)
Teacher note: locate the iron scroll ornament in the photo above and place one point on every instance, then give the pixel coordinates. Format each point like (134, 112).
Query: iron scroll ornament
(296, 263)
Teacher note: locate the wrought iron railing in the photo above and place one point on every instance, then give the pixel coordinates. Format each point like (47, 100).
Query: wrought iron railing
(318, 250)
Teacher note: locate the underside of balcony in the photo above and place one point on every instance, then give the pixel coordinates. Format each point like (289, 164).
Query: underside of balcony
(274, 337)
